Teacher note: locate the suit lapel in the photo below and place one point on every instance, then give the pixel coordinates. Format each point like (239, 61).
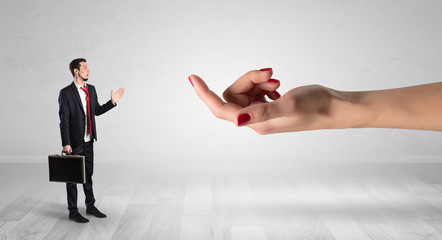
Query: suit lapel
(77, 96)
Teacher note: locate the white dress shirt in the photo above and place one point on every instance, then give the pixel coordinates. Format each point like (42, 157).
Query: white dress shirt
(87, 135)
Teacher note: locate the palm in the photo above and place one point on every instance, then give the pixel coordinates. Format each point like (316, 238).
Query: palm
(302, 108)
(115, 97)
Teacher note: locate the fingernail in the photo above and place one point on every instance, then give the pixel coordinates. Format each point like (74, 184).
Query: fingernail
(243, 118)
(277, 94)
(190, 80)
(273, 80)
(265, 69)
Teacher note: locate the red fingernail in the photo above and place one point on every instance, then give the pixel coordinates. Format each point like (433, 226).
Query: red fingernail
(277, 94)
(190, 80)
(243, 118)
(273, 80)
(265, 69)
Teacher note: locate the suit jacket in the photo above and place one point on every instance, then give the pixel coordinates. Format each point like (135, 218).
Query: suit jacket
(72, 115)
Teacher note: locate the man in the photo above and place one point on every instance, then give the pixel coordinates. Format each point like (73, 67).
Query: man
(78, 107)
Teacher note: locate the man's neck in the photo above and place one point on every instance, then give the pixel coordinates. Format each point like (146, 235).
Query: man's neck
(79, 81)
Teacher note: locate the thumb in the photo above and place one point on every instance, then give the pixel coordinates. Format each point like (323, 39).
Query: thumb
(262, 112)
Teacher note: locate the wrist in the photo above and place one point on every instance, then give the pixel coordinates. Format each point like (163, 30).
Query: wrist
(350, 110)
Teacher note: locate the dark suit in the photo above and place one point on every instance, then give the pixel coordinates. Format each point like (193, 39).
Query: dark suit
(72, 129)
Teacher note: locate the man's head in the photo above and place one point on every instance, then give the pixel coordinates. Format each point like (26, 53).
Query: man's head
(79, 69)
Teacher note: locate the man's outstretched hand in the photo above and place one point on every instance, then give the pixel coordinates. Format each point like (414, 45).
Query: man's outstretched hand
(115, 97)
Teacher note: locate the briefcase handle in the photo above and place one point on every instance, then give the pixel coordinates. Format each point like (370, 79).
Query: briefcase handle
(63, 153)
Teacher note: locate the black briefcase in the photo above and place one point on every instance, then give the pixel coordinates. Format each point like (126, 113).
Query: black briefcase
(67, 168)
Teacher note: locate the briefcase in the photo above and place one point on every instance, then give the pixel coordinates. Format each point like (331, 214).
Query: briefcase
(67, 168)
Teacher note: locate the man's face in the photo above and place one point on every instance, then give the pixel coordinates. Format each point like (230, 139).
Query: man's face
(83, 73)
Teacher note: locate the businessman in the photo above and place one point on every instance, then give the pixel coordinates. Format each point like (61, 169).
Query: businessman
(78, 106)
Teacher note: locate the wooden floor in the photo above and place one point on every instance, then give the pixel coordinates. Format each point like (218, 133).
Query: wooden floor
(195, 200)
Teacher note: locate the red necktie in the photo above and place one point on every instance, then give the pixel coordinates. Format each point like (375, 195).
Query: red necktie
(89, 122)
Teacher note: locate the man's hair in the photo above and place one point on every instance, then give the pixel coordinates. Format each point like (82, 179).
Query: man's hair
(75, 64)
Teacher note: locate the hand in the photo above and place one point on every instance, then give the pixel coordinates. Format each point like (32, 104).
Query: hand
(317, 107)
(67, 149)
(303, 108)
(116, 97)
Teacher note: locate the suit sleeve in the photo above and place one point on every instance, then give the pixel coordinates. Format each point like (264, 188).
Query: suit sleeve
(100, 109)
(63, 113)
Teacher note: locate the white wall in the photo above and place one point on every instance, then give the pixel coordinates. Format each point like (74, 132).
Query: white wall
(150, 47)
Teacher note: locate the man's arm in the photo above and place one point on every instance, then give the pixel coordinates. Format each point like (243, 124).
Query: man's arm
(63, 113)
(100, 109)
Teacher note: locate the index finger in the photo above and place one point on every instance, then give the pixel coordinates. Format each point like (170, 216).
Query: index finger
(217, 106)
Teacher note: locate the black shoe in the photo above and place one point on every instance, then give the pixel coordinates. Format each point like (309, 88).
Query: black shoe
(95, 212)
(76, 216)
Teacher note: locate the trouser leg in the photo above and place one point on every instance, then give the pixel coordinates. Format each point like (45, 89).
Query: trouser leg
(87, 187)
(71, 188)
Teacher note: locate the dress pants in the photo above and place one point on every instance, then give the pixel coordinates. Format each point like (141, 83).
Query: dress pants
(87, 150)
